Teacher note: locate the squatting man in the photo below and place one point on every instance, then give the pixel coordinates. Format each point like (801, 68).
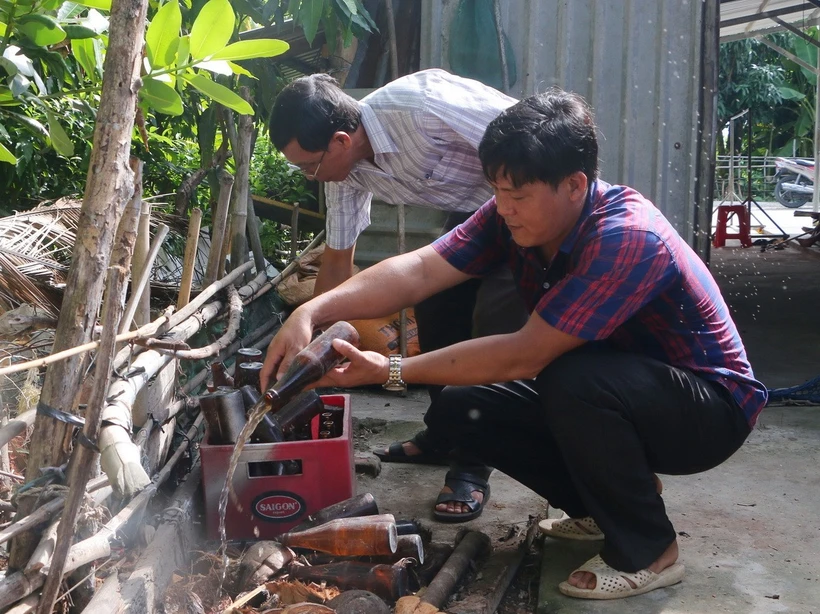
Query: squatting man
(629, 365)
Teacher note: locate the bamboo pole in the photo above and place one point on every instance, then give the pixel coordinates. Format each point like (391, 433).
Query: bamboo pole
(218, 221)
(143, 287)
(290, 267)
(142, 312)
(81, 464)
(108, 189)
(253, 234)
(189, 263)
(17, 425)
(239, 209)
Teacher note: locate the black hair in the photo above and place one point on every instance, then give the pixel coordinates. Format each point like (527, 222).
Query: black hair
(545, 137)
(311, 110)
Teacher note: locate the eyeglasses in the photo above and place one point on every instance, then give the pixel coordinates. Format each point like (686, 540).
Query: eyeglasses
(303, 168)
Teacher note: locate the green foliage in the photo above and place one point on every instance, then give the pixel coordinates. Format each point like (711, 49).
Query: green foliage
(779, 92)
(272, 177)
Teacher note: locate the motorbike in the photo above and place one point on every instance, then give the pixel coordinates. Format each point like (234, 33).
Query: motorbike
(794, 179)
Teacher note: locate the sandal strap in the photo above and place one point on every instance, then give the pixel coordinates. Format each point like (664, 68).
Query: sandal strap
(610, 579)
(463, 485)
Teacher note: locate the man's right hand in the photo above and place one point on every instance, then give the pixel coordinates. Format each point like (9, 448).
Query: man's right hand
(292, 338)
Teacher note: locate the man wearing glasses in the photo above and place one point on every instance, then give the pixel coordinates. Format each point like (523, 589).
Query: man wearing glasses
(413, 141)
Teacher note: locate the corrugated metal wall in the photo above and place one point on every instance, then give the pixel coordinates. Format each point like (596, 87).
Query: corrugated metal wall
(638, 63)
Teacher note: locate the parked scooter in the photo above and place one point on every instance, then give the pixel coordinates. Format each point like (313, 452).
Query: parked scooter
(795, 181)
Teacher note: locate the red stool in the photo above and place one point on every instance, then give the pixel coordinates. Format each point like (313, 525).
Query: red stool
(725, 213)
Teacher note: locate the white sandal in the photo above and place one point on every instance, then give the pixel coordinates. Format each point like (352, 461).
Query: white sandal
(612, 584)
(585, 529)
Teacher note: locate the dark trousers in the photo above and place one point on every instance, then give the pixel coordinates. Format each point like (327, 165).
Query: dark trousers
(588, 433)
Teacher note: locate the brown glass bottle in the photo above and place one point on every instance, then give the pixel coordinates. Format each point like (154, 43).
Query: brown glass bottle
(389, 582)
(220, 375)
(247, 374)
(360, 505)
(299, 412)
(360, 536)
(268, 430)
(311, 364)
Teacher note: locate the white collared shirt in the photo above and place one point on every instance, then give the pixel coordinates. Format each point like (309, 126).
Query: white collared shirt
(424, 130)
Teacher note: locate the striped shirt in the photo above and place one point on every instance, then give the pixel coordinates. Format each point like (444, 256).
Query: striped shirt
(424, 130)
(623, 275)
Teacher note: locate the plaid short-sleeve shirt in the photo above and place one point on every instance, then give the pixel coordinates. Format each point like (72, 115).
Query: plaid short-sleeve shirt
(623, 275)
(424, 129)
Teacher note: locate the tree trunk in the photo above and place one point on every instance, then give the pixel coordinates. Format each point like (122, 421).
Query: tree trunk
(109, 186)
(239, 209)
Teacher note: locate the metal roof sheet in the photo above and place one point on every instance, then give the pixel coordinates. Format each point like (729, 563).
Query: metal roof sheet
(745, 18)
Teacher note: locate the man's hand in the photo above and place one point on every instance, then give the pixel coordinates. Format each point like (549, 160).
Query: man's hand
(291, 339)
(363, 368)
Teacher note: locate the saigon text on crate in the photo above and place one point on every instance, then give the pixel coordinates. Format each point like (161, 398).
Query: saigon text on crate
(272, 504)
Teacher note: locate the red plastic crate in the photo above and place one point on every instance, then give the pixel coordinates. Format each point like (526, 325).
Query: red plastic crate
(273, 504)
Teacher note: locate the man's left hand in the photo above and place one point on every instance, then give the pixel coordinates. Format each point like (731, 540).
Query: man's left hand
(364, 368)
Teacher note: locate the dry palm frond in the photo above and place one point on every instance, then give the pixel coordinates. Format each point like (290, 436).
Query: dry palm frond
(35, 253)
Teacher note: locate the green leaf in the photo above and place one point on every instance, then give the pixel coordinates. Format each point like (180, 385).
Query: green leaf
(310, 13)
(790, 94)
(2, 33)
(162, 38)
(103, 5)
(59, 139)
(161, 97)
(219, 93)
(41, 29)
(83, 50)
(245, 50)
(212, 29)
(184, 50)
(238, 70)
(79, 32)
(6, 155)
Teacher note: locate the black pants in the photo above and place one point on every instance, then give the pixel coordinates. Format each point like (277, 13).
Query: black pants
(588, 433)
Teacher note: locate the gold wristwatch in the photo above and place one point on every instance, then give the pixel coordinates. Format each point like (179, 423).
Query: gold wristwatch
(394, 381)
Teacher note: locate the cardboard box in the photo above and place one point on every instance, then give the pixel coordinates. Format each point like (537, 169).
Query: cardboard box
(272, 504)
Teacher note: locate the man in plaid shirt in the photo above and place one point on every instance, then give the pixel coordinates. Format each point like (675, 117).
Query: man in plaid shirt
(629, 366)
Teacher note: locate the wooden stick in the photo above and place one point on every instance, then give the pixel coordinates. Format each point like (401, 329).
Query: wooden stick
(253, 234)
(191, 246)
(218, 222)
(145, 277)
(224, 341)
(17, 425)
(81, 465)
(472, 545)
(44, 512)
(13, 476)
(290, 267)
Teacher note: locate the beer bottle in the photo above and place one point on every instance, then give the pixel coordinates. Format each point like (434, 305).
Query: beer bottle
(299, 412)
(311, 364)
(360, 536)
(224, 413)
(248, 355)
(360, 505)
(247, 374)
(268, 430)
(220, 375)
(389, 582)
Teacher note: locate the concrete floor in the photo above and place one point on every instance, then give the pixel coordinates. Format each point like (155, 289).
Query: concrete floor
(749, 529)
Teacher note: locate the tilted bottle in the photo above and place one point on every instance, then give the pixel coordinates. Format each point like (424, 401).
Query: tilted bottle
(299, 412)
(359, 536)
(360, 505)
(311, 364)
(389, 582)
